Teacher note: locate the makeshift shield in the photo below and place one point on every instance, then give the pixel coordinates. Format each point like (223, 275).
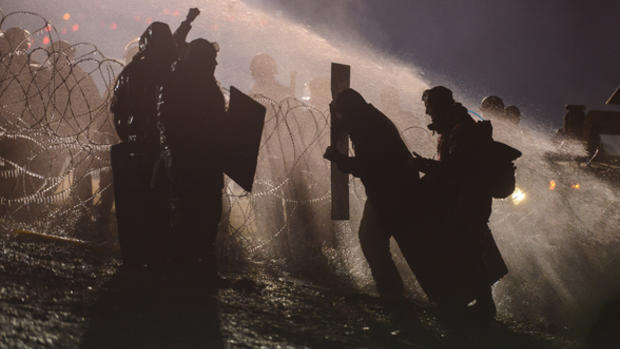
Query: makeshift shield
(341, 77)
(244, 125)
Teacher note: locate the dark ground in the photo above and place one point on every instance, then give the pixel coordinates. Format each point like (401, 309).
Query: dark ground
(69, 295)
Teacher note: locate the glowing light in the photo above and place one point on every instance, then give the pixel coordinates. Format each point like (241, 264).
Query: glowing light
(66, 16)
(166, 11)
(576, 186)
(75, 27)
(113, 26)
(48, 28)
(552, 185)
(46, 40)
(148, 20)
(518, 196)
(176, 13)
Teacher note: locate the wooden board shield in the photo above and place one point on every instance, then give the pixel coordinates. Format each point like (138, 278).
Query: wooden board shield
(244, 128)
(340, 80)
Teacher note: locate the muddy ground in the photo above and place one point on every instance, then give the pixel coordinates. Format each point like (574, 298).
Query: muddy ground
(71, 295)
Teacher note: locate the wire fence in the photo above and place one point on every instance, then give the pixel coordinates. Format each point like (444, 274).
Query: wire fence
(55, 136)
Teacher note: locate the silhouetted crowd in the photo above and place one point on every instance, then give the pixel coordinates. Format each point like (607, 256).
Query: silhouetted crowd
(170, 114)
(173, 122)
(440, 221)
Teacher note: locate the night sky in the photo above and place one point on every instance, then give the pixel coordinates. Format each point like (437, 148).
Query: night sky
(538, 55)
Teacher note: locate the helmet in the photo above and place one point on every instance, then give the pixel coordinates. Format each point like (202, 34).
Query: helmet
(512, 110)
(491, 104)
(263, 64)
(513, 114)
(203, 49)
(18, 39)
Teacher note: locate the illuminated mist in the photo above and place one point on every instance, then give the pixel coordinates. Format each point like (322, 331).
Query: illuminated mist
(560, 245)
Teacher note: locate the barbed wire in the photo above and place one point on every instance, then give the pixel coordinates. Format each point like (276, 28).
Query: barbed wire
(56, 131)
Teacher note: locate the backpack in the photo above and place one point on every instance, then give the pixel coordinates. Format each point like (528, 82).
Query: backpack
(497, 162)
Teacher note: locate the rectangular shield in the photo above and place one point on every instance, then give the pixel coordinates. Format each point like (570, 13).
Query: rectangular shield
(244, 127)
(340, 80)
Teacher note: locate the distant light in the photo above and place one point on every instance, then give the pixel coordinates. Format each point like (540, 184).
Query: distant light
(66, 16)
(46, 40)
(113, 26)
(148, 20)
(176, 13)
(48, 28)
(552, 185)
(518, 196)
(75, 27)
(576, 186)
(166, 11)
(137, 18)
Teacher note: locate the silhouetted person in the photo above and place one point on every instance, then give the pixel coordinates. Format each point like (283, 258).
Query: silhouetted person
(193, 113)
(141, 78)
(134, 105)
(382, 162)
(461, 184)
(264, 70)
